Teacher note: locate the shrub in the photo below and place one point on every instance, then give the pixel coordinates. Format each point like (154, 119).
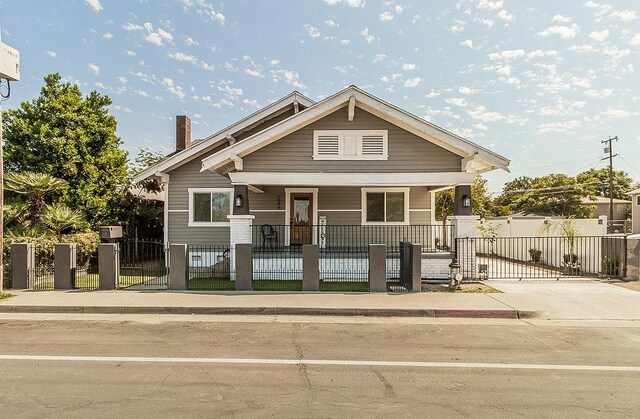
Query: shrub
(536, 255)
(610, 266)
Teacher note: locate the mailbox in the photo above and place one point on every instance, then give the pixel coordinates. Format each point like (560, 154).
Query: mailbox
(110, 232)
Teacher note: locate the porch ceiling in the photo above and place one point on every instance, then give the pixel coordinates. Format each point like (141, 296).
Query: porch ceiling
(353, 179)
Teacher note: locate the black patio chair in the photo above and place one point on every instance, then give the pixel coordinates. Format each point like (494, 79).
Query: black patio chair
(269, 235)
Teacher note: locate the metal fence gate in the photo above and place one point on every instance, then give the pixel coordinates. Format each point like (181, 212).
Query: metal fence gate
(542, 257)
(143, 265)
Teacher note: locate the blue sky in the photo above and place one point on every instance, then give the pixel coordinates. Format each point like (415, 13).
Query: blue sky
(540, 82)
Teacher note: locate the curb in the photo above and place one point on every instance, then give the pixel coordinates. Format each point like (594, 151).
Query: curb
(272, 311)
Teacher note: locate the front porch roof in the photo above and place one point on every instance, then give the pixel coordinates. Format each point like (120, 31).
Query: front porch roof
(475, 158)
(352, 179)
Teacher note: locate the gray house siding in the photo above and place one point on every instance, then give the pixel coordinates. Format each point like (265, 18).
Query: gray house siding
(408, 153)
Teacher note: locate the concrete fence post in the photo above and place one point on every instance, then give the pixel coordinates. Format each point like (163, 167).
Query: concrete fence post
(377, 268)
(108, 266)
(310, 267)
(65, 260)
(244, 266)
(23, 262)
(416, 267)
(178, 266)
(633, 258)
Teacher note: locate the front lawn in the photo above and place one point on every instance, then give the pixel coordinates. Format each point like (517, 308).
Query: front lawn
(224, 284)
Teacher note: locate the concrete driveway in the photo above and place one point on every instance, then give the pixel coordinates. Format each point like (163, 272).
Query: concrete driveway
(570, 300)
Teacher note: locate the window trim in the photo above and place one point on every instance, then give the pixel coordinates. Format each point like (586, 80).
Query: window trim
(359, 134)
(364, 192)
(637, 200)
(193, 191)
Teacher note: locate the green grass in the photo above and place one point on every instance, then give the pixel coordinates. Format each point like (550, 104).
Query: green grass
(223, 284)
(132, 276)
(211, 284)
(4, 295)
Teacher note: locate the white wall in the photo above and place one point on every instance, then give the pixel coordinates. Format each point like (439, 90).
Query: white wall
(544, 227)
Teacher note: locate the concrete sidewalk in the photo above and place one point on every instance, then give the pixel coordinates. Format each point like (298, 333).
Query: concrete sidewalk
(556, 300)
(193, 302)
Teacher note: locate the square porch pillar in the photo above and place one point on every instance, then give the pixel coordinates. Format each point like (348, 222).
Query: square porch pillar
(240, 232)
(464, 233)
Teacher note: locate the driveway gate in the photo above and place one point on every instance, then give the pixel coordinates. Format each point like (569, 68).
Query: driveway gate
(542, 257)
(143, 265)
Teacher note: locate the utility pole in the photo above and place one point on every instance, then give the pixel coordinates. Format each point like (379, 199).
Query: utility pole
(10, 71)
(609, 149)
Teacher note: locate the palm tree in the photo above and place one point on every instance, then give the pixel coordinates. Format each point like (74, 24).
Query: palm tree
(35, 187)
(59, 218)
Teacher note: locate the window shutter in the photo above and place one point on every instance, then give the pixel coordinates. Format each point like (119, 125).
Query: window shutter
(328, 145)
(372, 145)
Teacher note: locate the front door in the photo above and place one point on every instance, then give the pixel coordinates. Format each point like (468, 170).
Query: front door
(301, 218)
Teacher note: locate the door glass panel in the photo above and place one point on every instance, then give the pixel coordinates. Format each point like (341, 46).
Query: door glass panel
(301, 211)
(395, 207)
(375, 207)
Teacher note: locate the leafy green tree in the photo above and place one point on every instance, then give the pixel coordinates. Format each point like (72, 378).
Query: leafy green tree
(61, 218)
(72, 137)
(554, 194)
(599, 179)
(34, 187)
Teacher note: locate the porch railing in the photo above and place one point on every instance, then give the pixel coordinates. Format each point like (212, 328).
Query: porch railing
(352, 238)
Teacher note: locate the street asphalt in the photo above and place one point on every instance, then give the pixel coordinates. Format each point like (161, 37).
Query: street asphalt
(257, 366)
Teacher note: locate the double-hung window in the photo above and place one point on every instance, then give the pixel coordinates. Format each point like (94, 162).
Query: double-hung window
(350, 145)
(209, 206)
(385, 206)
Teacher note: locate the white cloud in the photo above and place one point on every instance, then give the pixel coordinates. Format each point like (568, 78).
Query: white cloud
(561, 19)
(635, 40)
(132, 27)
(399, 9)
(581, 49)
(491, 5)
(94, 68)
(122, 79)
(540, 53)
(408, 66)
(288, 76)
(599, 36)
(616, 53)
(312, 31)
(344, 69)
(331, 23)
(625, 15)
(458, 101)
(467, 90)
(379, 57)
(205, 9)
(95, 5)
(457, 26)
(504, 15)
(432, 94)
(52, 53)
(467, 43)
(131, 53)
(172, 88)
(599, 94)
(559, 127)
(190, 41)
(181, 56)
(107, 35)
(251, 102)
(367, 36)
(386, 16)
(350, 3)
(412, 82)
(565, 32)
(274, 62)
(614, 113)
(254, 72)
(141, 93)
(158, 37)
(507, 55)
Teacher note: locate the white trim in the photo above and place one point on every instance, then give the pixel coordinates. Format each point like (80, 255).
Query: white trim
(176, 210)
(339, 210)
(221, 136)
(419, 209)
(193, 191)
(267, 210)
(165, 209)
(363, 194)
(353, 179)
(397, 116)
(433, 205)
(359, 133)
(352, 108)
(287, 215)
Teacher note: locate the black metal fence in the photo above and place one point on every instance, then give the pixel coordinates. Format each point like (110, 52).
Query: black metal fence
(143, 264)
(209, 268)
(43, 269)
(337, 238)
(542, 257)
(85, 275)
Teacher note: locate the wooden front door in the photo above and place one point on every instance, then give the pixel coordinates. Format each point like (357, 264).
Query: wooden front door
(301, 221)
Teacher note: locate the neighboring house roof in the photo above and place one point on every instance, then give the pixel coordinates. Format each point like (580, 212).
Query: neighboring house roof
(475, 157)
(602, 200)
(634, 192)
(177, 159)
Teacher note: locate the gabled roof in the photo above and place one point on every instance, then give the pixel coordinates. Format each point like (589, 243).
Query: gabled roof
(602, 200)
(634, 192)
(473, 154)
(184, 156)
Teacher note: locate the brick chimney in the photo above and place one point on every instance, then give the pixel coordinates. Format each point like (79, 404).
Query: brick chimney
(183, 132)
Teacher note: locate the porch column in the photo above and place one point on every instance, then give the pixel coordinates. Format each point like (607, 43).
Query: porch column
(239, 233)
(240, 196)
(464, 229)
(462, 202)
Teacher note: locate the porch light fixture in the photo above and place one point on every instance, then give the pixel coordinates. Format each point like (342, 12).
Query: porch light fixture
(466, 201)
(238, 201)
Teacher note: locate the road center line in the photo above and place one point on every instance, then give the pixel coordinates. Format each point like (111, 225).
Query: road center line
(337, 362)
